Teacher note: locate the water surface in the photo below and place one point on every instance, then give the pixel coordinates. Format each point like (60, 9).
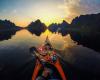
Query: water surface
(16, 61)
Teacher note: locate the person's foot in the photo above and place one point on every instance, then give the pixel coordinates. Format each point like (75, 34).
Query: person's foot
(40, 78)
(46, 72)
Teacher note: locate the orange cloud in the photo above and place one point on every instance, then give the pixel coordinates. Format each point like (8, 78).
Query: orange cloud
(75, 8)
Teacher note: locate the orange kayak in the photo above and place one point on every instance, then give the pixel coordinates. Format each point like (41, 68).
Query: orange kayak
(47, 54)
(57, 65)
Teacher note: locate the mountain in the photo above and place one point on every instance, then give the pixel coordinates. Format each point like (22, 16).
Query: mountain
(36, 27)
(8, 25)
(53, 27)
(84, 29)
(61, 28)
(87, 30)
(87, 21)
(7, 29)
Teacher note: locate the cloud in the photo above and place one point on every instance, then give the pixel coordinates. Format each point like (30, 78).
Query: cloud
(75, 8)
(14, 11)
(71, 8)
(72, 2)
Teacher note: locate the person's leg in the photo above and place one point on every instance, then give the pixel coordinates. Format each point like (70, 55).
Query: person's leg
(45, 74)
(40, 78)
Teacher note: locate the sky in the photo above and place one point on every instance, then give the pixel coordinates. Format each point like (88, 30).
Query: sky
(22, 12)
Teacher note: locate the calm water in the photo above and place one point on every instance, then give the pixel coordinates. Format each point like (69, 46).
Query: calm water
(16, 60)
(24, 39)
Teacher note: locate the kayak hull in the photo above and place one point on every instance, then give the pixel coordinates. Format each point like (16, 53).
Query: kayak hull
(57, 65)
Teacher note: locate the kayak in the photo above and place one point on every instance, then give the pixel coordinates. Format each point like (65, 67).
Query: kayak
(57, 65)
(53, 62)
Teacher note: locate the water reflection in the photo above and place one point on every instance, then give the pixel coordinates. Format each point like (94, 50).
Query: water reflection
(36, 27)
(24, 38)
(28, 38)
(15, 58)
(7, 34)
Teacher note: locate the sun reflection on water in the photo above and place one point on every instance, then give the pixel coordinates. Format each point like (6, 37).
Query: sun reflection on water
(25, 38)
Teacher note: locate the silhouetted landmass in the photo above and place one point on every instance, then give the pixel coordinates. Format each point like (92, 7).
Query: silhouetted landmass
(84, 29)
(61, 28)
(91, 22)
(87, 31)
(8, 25)
(7, 29)
(36, 27)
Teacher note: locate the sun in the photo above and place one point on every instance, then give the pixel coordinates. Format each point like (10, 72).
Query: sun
(48, 16)
(50, 19)
(47, 33)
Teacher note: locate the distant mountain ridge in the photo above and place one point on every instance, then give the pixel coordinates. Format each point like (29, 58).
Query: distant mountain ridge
(7, 29)
(87, 30)
(84, 29)
(91, 21)
(8, 25)
(36, 27)
(61, 28)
